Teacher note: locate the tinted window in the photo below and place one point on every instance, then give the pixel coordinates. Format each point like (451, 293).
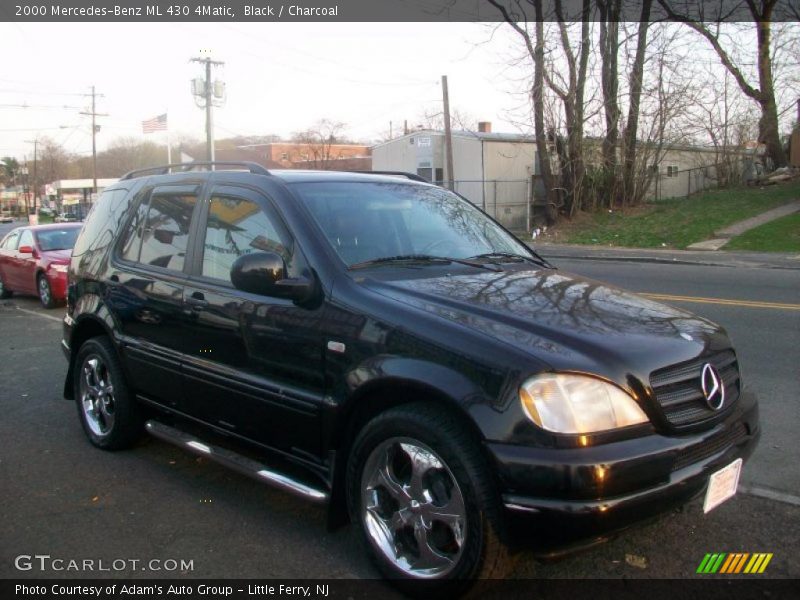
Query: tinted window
(102, 222)
(10, 242)
(132, 242)
(26, 239)
(366, 221)
(238, 226)
(166, 231)
(57, 239)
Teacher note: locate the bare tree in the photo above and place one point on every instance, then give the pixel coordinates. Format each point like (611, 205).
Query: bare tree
(630, 138)
(572, 98)
(535, 49)
(762, 13)
(609, 49)
(317, 144)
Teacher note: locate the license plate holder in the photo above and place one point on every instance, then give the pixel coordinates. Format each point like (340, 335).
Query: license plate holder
(722, 485)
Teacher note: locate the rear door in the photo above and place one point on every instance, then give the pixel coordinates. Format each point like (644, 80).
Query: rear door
(256, 368)
(145, 290)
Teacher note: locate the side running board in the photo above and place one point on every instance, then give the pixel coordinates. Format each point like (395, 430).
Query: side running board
(237, 462)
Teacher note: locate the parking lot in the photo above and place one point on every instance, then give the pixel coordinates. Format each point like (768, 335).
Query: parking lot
(62, 497)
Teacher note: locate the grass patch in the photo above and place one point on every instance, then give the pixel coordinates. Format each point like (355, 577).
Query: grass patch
(780, 235)
(674, 223)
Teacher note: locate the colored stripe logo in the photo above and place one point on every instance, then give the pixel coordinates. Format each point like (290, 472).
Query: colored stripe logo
(734, 563)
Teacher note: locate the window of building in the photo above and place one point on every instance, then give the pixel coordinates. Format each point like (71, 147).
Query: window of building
(238, 226)
(425, 173)
(672, 171)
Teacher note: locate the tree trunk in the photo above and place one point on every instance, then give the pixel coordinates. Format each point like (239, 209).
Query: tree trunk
(768, 132)
(629, 191)
(609, 47)
(537, 95)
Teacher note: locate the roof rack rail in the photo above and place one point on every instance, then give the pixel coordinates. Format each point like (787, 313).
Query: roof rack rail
(254, 168)
(410, 176)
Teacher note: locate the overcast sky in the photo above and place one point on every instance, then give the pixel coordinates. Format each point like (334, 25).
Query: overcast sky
(280, 77)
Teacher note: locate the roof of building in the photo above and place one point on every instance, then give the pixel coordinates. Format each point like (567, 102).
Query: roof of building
(480, 135)
(81, 184)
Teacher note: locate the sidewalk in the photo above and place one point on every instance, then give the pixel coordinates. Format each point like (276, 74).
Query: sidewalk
(723, 236)
(764, 260)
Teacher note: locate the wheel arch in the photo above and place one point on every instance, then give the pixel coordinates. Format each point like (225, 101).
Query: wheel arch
(419, 382)
(86, 327)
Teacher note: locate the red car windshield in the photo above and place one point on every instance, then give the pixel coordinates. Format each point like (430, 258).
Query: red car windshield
(57, 239)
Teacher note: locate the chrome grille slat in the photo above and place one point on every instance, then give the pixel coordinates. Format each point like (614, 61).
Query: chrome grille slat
(679, 394)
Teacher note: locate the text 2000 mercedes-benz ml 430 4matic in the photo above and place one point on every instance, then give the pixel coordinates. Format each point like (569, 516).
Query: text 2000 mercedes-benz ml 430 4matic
(379, 344)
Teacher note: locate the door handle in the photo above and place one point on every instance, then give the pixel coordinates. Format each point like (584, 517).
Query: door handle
(197, 301)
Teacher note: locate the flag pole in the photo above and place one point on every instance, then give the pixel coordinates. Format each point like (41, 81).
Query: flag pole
(169, 146)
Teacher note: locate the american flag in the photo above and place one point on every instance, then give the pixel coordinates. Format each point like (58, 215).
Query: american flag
(158, 123)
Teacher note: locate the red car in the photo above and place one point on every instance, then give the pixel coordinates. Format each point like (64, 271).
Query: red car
(34, 260)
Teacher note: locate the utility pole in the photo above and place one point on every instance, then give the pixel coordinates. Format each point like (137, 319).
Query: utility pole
(95, 128)
(448, 135)
(208, 91)
(35, 143)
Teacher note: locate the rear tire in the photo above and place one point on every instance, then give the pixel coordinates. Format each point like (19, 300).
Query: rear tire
(108, 411)
(421, 493)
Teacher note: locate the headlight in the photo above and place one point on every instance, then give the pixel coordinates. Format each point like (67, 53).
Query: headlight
(578, 404)
(59, 268)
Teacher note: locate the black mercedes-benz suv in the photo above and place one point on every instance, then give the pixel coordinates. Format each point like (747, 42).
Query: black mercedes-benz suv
(380, 344)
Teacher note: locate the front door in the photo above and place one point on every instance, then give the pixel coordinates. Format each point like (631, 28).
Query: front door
(256, 369)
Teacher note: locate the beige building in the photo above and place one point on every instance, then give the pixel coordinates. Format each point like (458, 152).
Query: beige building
(493, 170)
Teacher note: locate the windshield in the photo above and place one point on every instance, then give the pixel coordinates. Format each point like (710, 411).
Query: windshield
(57, 239)
(365, 221)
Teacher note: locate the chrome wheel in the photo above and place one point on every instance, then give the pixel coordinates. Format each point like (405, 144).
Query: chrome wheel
(44, 290)
(97, 395)
(413, 509)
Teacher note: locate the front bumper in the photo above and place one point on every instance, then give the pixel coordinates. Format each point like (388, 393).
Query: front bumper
(58, 285)
(557, 499)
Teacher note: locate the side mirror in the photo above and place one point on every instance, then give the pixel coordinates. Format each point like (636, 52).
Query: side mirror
(25, 250)
(264, 273)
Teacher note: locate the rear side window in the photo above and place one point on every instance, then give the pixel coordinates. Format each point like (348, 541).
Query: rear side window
(10, 243)
(160, 231)
(102, 223)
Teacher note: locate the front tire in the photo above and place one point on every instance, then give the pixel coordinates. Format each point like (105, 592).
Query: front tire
(421, 493)
(4, 291)
(107, 410)
(45, 291)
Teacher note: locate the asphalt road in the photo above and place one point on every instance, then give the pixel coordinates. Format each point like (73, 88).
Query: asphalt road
(62, 497)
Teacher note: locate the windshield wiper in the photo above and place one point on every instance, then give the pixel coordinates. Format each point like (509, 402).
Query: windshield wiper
(535, 259)
(417, 258)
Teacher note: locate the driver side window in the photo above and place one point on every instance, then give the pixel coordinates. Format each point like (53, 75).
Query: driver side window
(237, 226)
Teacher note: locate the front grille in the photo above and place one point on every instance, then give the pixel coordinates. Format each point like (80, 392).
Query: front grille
(709, 447)
(679, 392)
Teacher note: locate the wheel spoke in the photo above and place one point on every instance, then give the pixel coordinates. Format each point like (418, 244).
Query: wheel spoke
(429, 557)
(421, 462)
